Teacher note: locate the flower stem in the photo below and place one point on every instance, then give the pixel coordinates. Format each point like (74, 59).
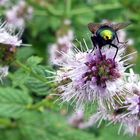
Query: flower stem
(49, 7)
(38, 105)
(68, 8)
(95, 8)
(80, 11)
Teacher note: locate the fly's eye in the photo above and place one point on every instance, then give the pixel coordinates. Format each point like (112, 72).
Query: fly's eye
(106, 34)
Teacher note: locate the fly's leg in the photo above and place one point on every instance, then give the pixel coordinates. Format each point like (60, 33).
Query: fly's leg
(94, 41)
(118, 39)
(100, 53)
(116, 50)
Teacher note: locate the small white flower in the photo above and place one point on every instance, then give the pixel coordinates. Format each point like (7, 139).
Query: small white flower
(7, 37)
(67, 21)
(77, 118)
(8, 44)
(133, 82)
(18, 14)
(3, 2)
(129, 116)
(3, 71)
(130, 124)
(134, 102)
(63, 45)
(97, 117)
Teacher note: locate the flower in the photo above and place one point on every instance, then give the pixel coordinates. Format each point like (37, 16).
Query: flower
(18, 14)
(128, 113)
(132, 126)
(131, 119)
(134, 102)
(63, 45)
(92, 78)
(3, 2)
(99, 116)
(3, 72)
(8, 44)
(129, 123)
(77, 118)
(7, 37)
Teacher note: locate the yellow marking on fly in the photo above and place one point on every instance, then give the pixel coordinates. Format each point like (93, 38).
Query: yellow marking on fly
(106, 34)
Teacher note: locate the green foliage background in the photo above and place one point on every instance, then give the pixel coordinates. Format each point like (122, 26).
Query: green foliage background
(26, 109)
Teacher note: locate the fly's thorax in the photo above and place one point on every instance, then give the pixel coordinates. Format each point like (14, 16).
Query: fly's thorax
(106, 33)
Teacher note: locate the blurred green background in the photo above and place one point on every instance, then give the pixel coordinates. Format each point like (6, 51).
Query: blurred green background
(31, 114)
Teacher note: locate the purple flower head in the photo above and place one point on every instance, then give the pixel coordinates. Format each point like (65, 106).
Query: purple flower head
(18, 14)
(133, 100)
(101, 70)
(92, 77)
(63, 45)
(8, 43)
(8, 37)
(3, 2)
(129, 111)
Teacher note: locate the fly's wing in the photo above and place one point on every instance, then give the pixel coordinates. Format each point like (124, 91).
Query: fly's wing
(119, 26)
(93, 27)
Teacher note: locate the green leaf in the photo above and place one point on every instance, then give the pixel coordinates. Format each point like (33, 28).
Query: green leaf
(49, 126)
(13, 102)
(38, 87)
(33, 61)
(10, 134)
(19, 77)
(24, 52)
(32, 126)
